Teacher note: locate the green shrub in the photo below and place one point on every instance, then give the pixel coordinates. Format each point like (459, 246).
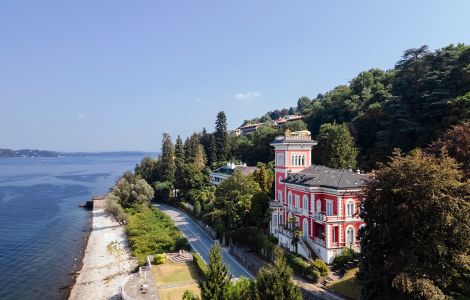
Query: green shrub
(182, 243)
(151, 231)
(302, 267)
(159, 259)
(344, 257)
(201, 265)
(320, 266)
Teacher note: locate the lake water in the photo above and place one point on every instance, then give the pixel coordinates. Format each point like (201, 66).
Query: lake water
(42, 229)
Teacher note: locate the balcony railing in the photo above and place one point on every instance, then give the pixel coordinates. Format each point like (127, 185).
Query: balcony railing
(323, 217)
(295, 210)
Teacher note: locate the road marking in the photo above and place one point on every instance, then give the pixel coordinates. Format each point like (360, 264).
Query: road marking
(197, 225)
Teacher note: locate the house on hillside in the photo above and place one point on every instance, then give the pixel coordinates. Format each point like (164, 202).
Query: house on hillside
(283, 120)
(322, 202)
(222, 173)
(249, 128)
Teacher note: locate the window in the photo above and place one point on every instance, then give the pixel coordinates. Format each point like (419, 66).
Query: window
(298, 160)
(280, 219)
(279, 196)
(318, 206)
(350, 208)
(350, 235)
(305, 228)
(305, 203)
(289, 198)
(312, 203)
(329, 208)
(297, 201)
(280, 179)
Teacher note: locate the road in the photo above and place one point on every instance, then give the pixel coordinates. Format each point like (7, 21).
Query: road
(200, 241)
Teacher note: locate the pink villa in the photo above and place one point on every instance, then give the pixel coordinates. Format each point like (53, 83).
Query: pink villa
(323, 202)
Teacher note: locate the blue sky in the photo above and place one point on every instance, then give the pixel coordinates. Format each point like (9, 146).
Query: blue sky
(114, 75)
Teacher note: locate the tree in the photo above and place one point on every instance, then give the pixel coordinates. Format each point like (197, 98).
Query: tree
(455, 142)
(147, 169)
(336, 147)
(274, 282)
(212, 157)
(416, 243)
(132, 190)
(113, 207)
(179, 162)
(221, 139)
(242, 289)
(189, 295)
(296, 125)
(217, 279)
(166, 161)
(303, 103)
(234, 198)
(197, 209)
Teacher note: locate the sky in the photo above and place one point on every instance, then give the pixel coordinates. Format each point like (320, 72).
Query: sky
(104, 75)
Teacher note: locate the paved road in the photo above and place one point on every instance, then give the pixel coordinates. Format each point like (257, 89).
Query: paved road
(201, 241)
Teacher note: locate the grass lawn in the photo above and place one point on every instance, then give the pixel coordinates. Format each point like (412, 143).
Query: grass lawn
(173, 279)
(177, 292)
(170, 273)
(348, 285)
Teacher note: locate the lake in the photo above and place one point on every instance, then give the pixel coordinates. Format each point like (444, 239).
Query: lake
(42, 229)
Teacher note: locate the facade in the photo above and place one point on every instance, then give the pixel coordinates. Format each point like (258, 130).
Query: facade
(222, 173)
(249, 128)
(322, 202)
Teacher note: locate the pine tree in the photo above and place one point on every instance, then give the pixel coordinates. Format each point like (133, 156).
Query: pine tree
(212, 159)
(221, 137)
(274, 282)
(217, 279)
(167, 163)
(416, 243)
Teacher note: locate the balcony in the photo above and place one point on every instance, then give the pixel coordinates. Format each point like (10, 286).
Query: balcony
(324, 218)
(295, 210)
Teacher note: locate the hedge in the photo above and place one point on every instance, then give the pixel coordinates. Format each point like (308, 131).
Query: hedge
(201, 265)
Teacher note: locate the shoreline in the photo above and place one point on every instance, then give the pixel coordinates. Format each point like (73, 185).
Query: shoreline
(67, 290)
(102, 273)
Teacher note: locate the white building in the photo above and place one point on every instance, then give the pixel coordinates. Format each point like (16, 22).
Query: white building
(222, 173)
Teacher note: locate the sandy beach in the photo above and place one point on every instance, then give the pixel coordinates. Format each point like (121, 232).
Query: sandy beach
(103, 271)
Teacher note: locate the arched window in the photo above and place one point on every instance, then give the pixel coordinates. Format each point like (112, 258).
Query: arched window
(350, 235)
(318, 206)
(297, 201)
(350, 208)
(305, 203)
(305, 228)
(303, 160)
(280, 179)
(289, 198)
(312, 203)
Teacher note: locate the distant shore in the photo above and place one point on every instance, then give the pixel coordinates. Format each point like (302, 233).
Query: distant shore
(102, 273)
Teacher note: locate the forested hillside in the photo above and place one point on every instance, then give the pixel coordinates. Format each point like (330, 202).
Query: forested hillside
(405, 107)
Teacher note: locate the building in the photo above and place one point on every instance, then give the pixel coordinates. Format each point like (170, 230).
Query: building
(322, 202)
(283, 120)
(222, 173)
(249, 128)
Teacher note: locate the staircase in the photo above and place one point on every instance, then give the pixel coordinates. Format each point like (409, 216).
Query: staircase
(309, 246)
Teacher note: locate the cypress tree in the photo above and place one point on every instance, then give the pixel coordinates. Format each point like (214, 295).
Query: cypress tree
(179, 162)
(274, 282)
(217, 279)
(167, 163)
(221, 137)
